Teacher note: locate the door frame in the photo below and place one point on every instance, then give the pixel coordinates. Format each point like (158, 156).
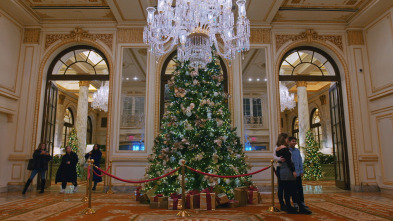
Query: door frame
(337, 80)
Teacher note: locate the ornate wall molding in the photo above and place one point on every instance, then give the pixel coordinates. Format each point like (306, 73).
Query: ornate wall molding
(32, 35)
(310, 35)
(260, 36)
(130, 35)
(79, 34)
(355, 37)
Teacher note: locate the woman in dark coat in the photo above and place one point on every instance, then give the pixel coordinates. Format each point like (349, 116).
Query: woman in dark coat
(287, 173)
(95, 155)
(67, 170)
(41, 159)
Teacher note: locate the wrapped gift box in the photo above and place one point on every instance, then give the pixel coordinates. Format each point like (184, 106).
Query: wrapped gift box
(208, 201)
(241, 195)
(193, 199)
(222, 198)
(253, 197)
(158, 198)
(175, 204)
(137, 195)
(144, 199)
(233, 203)
(159, 205)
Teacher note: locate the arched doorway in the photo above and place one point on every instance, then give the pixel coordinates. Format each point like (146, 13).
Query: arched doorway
(317, 75)
(73, 68)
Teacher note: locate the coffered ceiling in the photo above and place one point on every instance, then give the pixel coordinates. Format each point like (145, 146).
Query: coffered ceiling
(133, 12)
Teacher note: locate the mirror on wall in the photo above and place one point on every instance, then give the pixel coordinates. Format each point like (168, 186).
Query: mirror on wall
(132, 103)
(255, 101)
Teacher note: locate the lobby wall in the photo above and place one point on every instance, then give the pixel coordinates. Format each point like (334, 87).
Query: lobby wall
(368, 94)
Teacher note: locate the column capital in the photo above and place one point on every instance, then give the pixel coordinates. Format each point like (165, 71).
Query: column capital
(84, 83)
(301, 83)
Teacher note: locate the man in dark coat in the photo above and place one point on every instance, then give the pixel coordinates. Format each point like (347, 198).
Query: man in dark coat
(67, 170)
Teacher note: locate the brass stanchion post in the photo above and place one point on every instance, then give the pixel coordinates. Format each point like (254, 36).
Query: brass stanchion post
(85, 198)
(183, 212)
(110, 179)
(89, 210)
(272, 208)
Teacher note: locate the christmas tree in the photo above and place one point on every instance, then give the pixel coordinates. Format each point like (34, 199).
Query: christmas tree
(196, 127)
(73, 143)
(312, 164)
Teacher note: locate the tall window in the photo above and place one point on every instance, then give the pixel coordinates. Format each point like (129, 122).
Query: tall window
(295, 127)
(316, 125)
(68, 124)
(89, 131)
(252, 112)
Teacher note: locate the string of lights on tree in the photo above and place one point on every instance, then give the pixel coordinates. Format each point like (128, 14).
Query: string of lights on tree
(197, 128)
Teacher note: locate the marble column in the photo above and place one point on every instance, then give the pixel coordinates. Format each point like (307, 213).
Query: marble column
(81, 118)
(303, 114)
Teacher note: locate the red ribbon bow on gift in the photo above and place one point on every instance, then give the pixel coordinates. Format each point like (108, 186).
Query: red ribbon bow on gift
(138, 189)
(156, 197)
(188, 197)
(175, 198)
(208, 190)
(251, 190)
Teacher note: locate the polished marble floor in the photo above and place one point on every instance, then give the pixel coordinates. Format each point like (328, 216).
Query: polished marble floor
(325, 200)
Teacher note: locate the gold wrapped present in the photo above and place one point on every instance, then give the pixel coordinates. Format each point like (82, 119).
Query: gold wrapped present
(158, 198)
(193, 199)
(175, 204)
(241, 195)
(208, 201)
(144, 199)
(253, 197)
(233, 203)
(159, 205)
(222, 198)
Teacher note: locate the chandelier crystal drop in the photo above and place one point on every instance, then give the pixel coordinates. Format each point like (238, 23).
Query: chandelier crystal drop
(195, 26)
(100, 98)
(287, 100)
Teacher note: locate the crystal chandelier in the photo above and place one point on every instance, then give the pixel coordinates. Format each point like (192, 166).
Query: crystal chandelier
(195, 26)
(100, 98)
(287, 100)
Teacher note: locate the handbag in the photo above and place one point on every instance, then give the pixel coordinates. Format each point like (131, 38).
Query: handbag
(30, 165)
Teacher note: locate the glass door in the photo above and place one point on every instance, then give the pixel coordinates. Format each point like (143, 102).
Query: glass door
(48, 126)
(339, 138)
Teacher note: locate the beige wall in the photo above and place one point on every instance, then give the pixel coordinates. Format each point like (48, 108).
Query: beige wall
(368, 93)
(378, 79)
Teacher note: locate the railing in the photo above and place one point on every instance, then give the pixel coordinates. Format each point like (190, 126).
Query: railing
(253, 121)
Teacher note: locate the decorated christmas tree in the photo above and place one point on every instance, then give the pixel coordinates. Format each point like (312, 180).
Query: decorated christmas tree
(196, 127)
(312, 164)
(73, 143)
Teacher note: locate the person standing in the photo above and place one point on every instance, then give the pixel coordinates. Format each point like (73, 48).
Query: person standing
(287, 174)
(297, 161)
(67, 170)
(41, 158)
(95, 155)
(281, 142)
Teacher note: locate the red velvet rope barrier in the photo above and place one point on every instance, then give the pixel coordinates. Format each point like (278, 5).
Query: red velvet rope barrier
(101, 175)
(214, 175)
(141, 181)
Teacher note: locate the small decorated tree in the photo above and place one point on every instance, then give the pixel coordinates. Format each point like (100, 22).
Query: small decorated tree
(312, 164)
(73, 143)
